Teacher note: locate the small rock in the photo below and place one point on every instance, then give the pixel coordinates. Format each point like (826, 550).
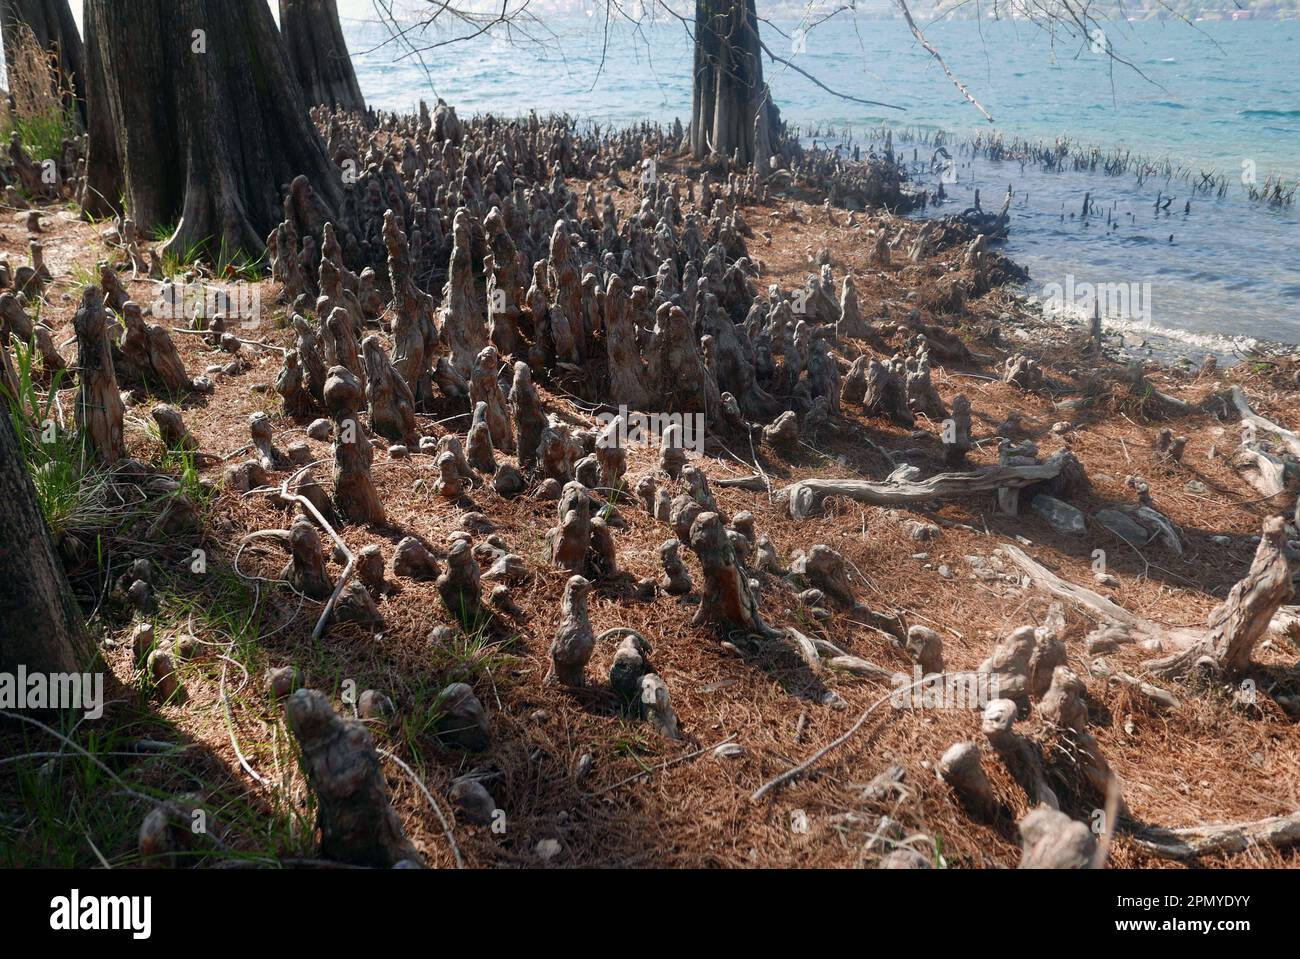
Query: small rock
(475, 523)
(398, 451)
(321, 429)
(473, 802)
(464, 723)
(945, 571)
(922, 532)
(509, 568)
(547, 849)
(299, 453)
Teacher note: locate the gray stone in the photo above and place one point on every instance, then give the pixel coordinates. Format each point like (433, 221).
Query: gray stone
(464, 723)
(1063, 517)
(1123, 526)
(473, 802)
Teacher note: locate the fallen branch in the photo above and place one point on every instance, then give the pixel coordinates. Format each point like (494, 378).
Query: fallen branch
(805, 498)
(1078, 596)
(1227, 838)
(664, 765)
(1234, 627)
(437, 811)
(1261, 470)
(816, 757)
(756, 483)
(1239, 400)
(1157, 695)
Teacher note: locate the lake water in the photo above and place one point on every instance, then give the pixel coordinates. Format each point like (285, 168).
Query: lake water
(1215, 97)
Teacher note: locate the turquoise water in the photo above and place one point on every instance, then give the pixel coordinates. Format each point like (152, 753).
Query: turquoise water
(1213, 97)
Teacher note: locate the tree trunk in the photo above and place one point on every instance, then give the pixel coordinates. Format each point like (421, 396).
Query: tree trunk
(211, 124)
(731, 110)
(319, 55)
(42, 628)
(101, 193)
(52, 23)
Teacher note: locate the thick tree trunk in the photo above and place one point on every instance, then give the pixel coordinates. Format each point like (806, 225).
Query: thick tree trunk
(731, 110)
(40, 624)
(101, 194)
(211, 124)
(319, 55)
(52, 23)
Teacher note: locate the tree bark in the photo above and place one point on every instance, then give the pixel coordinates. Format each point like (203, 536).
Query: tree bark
(731, 109)
(52, 23)
(101, 195)
(43, 628)
(318, 54)
(211, 125)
